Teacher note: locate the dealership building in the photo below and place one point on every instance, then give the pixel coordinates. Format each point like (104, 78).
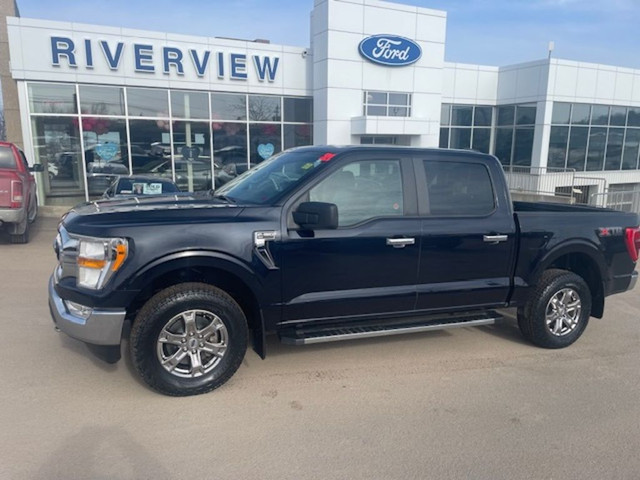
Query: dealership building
(90, 101)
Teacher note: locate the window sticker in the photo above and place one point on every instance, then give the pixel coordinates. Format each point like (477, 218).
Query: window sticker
(152, 188)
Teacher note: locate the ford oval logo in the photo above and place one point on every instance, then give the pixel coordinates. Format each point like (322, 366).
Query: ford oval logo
(390, 50)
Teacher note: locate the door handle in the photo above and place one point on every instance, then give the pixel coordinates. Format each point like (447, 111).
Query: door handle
(495, 238)
(400, 242)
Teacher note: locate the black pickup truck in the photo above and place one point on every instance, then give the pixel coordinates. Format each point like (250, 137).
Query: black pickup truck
(330, 243)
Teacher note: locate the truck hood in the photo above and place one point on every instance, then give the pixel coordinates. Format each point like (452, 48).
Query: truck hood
(94, 218)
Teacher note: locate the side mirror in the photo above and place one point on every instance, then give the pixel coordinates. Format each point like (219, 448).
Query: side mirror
(37, 167)
(316, 216)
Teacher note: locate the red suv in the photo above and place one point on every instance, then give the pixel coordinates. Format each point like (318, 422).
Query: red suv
(18, 199)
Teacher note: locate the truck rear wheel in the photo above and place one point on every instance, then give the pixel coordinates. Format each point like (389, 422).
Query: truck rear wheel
(188, 339)
(557, 311)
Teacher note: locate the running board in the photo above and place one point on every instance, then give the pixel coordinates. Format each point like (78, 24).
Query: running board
(302, 336)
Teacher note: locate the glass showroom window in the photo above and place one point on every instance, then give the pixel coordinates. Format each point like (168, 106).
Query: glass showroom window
(104, 136)
(56, 141)
(199, 139)
(192, 155)
(230, 150)
(298, 118)
(387, 104)
(95, 100)
(105, 152)
(148, 102)
(229, 129)
(594, 137)
(466, 127)
(191, 141)
(150, 147)
(194, 105)
(151, 136)
(515, 128)
(265, 139)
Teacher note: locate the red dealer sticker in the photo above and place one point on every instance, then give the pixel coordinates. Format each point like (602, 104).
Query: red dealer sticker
(326, 157)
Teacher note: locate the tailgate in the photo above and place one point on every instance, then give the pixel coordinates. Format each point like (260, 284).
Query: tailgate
(5, 187)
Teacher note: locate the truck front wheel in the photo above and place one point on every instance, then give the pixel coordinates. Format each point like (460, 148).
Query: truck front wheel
(188, 339)
(557, 311)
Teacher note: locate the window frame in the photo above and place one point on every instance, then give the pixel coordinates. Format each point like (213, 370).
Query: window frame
(423, 193)
(407, 175)
(387, 105)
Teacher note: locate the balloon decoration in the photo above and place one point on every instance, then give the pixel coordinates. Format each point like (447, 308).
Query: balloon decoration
(303, 130)
(229, 128)
(98, 125)
(269, 129)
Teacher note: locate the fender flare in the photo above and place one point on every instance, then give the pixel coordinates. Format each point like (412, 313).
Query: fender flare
(195, 258)
(588, 249)
(207, 259)
(574, 246)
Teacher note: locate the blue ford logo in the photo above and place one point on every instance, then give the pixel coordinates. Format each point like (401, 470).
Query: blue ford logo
(390, 50)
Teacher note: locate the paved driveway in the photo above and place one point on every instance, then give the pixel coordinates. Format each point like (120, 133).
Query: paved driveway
(474, 403)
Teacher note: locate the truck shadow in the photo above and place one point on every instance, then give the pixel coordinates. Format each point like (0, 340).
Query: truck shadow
(506, 327)
(94, 449)
(43, 229)
(78, 348)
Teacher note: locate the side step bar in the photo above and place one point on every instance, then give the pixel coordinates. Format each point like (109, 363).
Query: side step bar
(309, 335)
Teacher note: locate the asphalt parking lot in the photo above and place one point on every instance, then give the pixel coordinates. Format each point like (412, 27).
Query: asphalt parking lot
(473, 403)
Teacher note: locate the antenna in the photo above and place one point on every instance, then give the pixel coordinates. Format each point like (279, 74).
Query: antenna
(552, 46)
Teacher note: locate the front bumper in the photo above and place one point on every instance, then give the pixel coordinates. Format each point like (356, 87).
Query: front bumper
(101, 327)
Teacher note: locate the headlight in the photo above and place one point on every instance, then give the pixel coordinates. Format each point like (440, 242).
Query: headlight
(99, 259)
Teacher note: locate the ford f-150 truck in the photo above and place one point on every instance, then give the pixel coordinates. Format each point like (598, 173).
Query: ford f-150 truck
(330, 243)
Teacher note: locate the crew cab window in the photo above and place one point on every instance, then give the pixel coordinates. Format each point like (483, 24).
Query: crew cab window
(7, 160)
(362, 190)
(458, 188)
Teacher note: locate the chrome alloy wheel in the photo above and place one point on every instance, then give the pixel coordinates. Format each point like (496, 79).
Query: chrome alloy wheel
(192, 343)
(563, 312)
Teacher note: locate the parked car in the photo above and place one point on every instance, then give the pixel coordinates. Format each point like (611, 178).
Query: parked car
(320, 244)
(100, 175)
(18, 197)
(140, 185)
(200, 172)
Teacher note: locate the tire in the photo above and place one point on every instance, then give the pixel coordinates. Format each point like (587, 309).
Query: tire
(197, 330)
(20, 237)
(557, 311)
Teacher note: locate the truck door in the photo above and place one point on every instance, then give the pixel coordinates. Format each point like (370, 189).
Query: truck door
(369, 264)
(468, 233)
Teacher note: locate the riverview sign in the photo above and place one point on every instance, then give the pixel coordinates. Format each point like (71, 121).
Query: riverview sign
(169, 59)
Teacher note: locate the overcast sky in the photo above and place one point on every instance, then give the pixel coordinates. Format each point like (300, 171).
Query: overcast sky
(489, 32)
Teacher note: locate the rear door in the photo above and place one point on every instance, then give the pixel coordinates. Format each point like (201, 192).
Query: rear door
(468, 234)
(368, 265)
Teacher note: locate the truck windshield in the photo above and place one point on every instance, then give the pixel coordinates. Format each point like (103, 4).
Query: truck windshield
(274, 177)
